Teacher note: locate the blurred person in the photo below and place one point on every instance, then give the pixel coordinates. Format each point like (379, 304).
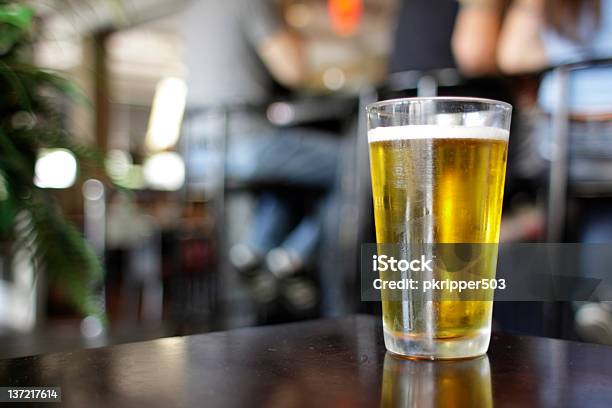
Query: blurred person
(427, 37)
(235, 51)
(475, 36)
(475, 46)
(561, 32)
(540, 33)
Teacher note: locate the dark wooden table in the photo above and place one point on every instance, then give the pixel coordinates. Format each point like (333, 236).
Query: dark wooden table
(325, 363)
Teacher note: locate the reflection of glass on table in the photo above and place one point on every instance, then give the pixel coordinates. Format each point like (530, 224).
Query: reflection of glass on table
(412, 383)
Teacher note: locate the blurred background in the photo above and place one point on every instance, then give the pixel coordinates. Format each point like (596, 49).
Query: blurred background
(225, 179)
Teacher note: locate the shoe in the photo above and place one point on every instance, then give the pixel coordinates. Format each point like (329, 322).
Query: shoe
(283, 262)
(263, 287)
(594, 323)
(300, 295)
(243, 258)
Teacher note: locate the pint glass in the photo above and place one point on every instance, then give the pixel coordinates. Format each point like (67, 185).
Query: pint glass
(438, 167)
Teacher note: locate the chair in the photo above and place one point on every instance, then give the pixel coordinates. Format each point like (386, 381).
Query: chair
(559, 183)
(562, 188)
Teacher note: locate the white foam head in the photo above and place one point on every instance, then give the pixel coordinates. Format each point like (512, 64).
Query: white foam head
(381, 134)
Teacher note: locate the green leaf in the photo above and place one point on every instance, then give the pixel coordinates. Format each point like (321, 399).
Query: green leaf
(27, 213)
(17, 15)
(19, 86)
(62, 252)
(64, 86)
(15, 23)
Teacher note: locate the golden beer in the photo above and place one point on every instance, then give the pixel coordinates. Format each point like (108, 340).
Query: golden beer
(435, 184)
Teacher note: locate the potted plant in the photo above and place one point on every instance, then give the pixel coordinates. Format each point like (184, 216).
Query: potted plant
(29, 122)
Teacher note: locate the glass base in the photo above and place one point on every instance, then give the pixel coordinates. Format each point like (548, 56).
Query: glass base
(421, 347)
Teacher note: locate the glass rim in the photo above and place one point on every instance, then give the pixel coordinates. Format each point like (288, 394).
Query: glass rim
(494, 102)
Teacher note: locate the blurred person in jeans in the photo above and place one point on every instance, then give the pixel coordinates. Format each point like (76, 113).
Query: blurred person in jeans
(235, 51)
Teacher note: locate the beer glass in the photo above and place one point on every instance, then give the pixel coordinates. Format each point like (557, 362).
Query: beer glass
(438, 168)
